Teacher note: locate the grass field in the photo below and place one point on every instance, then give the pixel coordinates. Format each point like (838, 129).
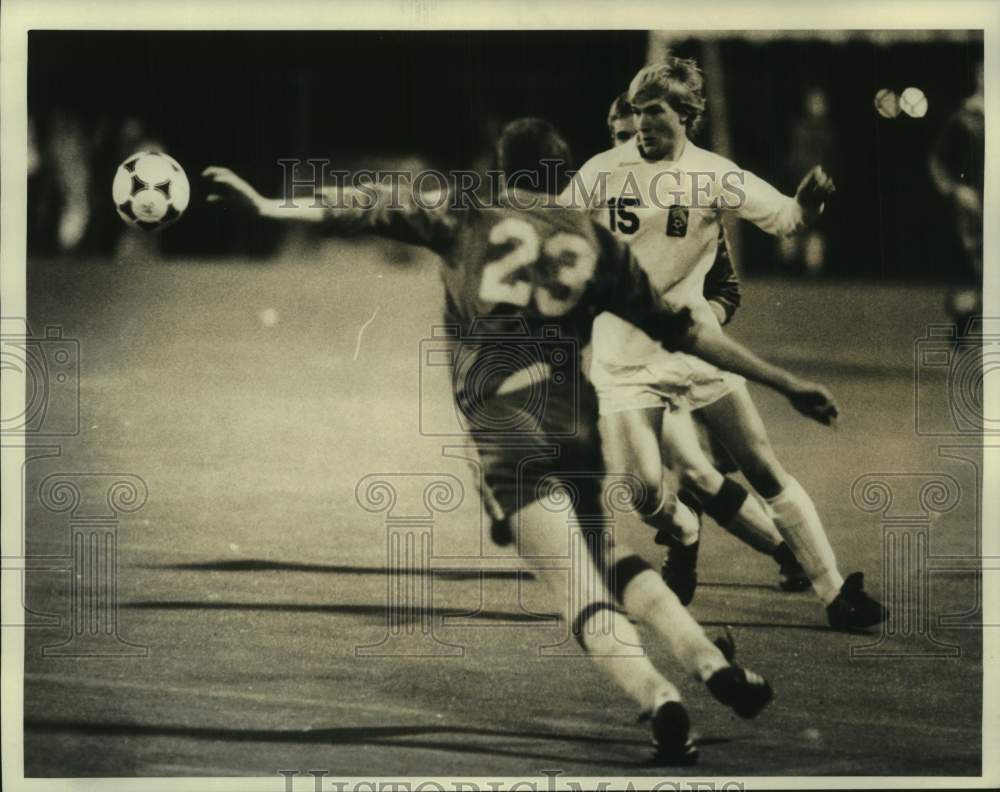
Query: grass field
(252, 574)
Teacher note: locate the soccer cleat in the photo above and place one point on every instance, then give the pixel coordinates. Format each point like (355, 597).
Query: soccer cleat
(672, 735)
(680, 570)
(853, 609)
(500, 531)
(745, 692)
(791, 576)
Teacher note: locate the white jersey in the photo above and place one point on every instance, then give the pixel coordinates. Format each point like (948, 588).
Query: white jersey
(669, 215)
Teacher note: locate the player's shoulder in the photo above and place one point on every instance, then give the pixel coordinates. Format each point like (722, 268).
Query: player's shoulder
(591, 178)
(547, 213)
(702, 159)
(550, 217)
(566, 218)
(616, 157)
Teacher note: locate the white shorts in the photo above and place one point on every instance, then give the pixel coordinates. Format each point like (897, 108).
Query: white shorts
(671, 380)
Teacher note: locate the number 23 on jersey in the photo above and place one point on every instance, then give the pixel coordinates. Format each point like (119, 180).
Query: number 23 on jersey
(564, 263)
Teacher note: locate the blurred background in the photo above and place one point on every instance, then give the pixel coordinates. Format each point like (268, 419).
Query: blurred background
(777, 105)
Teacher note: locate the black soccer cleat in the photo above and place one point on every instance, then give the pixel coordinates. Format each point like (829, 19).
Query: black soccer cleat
(501, 532)
(853, 609)
(672, 736)
(745, 692)
(680, 570)
(791, 576)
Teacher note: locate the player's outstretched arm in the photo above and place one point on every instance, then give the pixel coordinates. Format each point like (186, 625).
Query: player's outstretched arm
(771, 211)
(625, 290)
(714, 346)
(348, 211)
(227, 186)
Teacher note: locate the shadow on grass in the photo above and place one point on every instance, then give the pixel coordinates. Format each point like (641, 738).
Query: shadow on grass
(409, 613)
(397, 736)
(260, 565)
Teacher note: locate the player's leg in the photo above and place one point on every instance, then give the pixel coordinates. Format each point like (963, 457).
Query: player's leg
(753, 526)
(543, 530)
(683, 383)
(632, 446)
(646, 598)
(738, 513)
(722, 498)
(734, 419)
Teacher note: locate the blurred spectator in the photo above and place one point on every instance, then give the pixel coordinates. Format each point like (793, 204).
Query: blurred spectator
(956, 165)
(42, 193)
(812, 142)
(70, 156)
(70, 168)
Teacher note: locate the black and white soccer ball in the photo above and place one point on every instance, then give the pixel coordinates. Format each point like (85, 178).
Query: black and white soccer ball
(150, 190)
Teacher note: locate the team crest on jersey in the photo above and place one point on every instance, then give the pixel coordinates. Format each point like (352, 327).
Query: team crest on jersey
(677, 221)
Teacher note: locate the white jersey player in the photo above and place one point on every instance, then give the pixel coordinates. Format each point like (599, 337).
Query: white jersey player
(750, 525)
(664, 196)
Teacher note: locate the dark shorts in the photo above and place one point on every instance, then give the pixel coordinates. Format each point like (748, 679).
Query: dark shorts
(552, 447)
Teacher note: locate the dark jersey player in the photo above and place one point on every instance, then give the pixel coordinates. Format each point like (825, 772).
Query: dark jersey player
(521, 280)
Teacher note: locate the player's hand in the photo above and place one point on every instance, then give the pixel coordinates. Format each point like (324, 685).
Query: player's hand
(814, 189)
(227, 186)
(813, 401)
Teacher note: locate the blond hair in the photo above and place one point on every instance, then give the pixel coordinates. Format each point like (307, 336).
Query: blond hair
(676, 81)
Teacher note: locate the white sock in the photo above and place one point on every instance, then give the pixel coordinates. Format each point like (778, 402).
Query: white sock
(632, 672)
(648, 600)
(676, 520)
(796, 519)
(753, 527)
(687, 522)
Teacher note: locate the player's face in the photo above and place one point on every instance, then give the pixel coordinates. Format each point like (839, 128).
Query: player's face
(622, 130)
(659, 126)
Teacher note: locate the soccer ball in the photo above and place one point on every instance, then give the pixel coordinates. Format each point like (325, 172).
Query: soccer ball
(150, 190)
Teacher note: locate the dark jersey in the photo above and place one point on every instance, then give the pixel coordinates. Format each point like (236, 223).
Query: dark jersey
(522, 287)
(722, 284)
(527, 273)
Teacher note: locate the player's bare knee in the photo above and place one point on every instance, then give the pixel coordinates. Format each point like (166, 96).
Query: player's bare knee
(700, 479)
(647, 499)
